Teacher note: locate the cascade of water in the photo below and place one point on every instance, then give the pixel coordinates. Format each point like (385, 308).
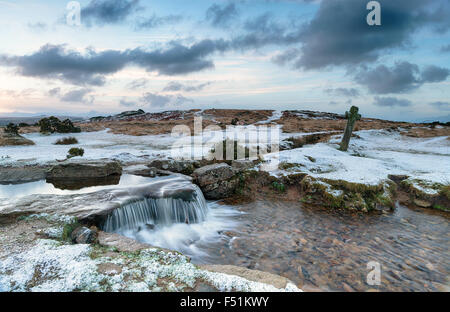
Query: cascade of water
(154, 211)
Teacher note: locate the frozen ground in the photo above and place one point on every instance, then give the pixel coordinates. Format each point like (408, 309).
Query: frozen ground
(371, 157)
(52, 266)
(96, 145)
(125, 148)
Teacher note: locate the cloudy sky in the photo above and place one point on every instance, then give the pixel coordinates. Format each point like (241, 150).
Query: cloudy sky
(254, 54)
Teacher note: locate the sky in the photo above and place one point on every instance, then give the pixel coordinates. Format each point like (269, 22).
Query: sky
(250, 54)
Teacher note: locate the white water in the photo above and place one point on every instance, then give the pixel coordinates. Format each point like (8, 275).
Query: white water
(190, 239)
(187, 226)
(152, 211)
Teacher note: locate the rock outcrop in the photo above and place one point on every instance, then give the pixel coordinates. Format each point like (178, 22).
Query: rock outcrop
(186, 167)
(217, 181)
(82, 169)
(83, 235)
(95, 205)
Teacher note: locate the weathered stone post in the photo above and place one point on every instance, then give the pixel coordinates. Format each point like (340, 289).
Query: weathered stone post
(352, 117)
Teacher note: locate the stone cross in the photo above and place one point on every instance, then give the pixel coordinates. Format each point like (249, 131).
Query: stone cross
(351, 117)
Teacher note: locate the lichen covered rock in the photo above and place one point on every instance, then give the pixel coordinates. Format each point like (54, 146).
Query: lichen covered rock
(216, 181)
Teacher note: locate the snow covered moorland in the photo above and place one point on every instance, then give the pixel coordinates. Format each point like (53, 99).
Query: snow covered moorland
(151, 185)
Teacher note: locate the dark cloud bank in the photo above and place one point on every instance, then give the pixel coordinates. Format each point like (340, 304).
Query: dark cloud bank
(101, 12)
(400, 78)
(337, 35)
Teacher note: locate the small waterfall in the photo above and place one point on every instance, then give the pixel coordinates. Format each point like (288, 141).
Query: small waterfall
(149, 211)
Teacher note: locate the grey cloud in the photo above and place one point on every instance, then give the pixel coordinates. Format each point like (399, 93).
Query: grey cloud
(400, 78)
(221, 15)
(435, 74)
(157, 100)
(137, 84)
(286, 56)
(441, 105)
(102, 12)
(125, 102)
(391, 102)
(179, 59)
(177, 86)
(54, 92)
(80, 95)
(339, 35)
(90, 68)
(346, 92)
(56, 62)
(264, 30)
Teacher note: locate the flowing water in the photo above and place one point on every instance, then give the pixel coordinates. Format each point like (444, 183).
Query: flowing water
(187, 225)
(325, 249)
(317, 248)
(43, 187)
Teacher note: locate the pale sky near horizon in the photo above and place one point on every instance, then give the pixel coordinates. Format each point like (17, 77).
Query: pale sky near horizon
(251, 54)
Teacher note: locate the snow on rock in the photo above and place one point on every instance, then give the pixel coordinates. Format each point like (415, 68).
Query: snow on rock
(54, 266)
(372, 156)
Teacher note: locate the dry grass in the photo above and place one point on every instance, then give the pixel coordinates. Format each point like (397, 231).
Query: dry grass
(224, 117)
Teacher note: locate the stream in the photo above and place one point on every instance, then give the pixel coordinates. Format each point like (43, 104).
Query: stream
(317, 248)
(328, 250)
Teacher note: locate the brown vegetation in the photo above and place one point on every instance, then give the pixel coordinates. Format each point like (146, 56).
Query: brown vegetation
(292, 122)
(66, 141)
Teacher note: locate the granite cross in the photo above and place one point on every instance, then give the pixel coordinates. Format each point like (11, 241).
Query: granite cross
(351, 117)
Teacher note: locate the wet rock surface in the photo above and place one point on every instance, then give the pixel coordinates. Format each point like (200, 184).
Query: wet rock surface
(82, 169)
(83, 235)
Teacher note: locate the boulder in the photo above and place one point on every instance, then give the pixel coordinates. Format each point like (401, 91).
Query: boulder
(217, 181)
(241, 165)
(83, 235)
(82, 169)
(422, 203)
(186, 167)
